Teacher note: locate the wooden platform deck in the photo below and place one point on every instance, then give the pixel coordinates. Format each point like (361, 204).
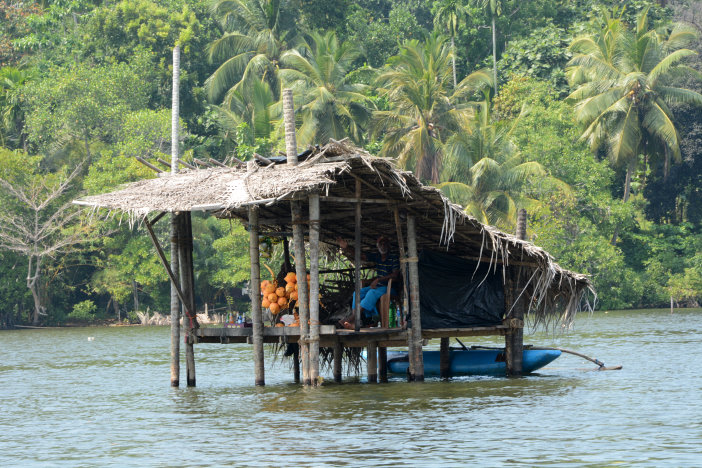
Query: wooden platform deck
(329, 335)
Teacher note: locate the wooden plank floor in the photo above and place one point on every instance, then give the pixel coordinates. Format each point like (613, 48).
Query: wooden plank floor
(330, 335)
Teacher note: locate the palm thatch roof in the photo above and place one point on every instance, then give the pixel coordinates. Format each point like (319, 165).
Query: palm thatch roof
(332, 171)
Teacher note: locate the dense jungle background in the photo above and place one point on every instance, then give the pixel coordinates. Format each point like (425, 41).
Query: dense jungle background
(586, 112)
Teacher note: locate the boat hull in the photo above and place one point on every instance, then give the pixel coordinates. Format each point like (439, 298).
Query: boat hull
(472, 361)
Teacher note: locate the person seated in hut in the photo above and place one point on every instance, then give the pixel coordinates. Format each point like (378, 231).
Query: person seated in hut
(386, 266)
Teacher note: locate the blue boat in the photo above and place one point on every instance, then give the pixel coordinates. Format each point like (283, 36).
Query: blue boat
(472, 361)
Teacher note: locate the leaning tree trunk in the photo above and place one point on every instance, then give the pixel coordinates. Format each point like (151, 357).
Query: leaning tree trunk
(494, 54)
(627, 192)
(33, 285)
(453, 61)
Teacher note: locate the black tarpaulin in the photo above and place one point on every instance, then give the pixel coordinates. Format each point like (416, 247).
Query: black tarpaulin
(453, 293)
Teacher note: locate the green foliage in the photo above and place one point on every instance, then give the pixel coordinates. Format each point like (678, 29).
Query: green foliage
(542, 55)
(82, 103)
(331, 105)
(83, 312)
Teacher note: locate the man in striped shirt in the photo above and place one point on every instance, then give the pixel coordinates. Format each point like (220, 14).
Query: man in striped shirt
(386, 266)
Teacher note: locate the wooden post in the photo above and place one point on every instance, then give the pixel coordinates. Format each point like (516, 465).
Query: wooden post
(357, 257)
(514, 309)
(314, 288)
(255, 295)
(175, 303)
(372, 362)
(296, 364)
(187, 286)
(338, 354)
(445, 359)
(415, 335)
(302, 292)
(383, 364)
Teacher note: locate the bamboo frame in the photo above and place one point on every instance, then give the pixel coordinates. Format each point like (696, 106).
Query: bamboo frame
(255, 294)
(314, 288)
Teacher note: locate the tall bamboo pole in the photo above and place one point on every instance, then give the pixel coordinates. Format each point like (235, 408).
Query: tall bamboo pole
(416, 332)
(314, 288)
(444, 359)
(372, 362)
(175, 303)
(338, 352)
(302, 291)
(357, 257)
(514, 339)
(255, 295)
(187, 287)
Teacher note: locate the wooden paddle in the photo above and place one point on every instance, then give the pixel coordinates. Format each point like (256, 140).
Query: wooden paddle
(600, 364)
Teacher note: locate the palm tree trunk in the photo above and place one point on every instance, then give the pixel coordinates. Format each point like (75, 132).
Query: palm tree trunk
(627, 192)
(494, 54)
(453, 61)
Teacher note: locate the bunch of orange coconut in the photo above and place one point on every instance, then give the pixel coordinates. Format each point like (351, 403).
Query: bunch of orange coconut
(279, 298)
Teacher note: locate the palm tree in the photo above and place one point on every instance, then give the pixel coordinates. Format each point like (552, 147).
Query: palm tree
(331, 105)
(253, 105)
(501, 181)
(494, 7)
(424, 109)
(622, 97)
(450, 13)
(250, 48)
(11, 113)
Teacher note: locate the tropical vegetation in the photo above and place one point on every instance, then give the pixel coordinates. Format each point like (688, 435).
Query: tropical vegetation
(587, 115)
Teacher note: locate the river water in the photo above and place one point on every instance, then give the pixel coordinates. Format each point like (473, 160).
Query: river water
(70, 401)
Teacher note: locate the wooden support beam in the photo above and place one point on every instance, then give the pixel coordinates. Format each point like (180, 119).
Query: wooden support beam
(415, 341)
(372, 362)
(255, 295)
(302, 291)
(382, 364)
(338, 355)
(202, 163)
(314, 288)
(383, 201)
(403, 269)
(174, 297)
(184, 164)
(187, 285)
(516, 305)
(357, 258)
(214, 162)
(164, 261)
(445, 359)
(148, 164)
(296, 364)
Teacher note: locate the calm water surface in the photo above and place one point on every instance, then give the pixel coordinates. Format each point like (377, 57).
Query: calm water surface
(68, 401)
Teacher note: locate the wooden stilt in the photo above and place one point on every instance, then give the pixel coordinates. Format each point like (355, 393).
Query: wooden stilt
(175, 147)
(357, 257)
(382, 364)
(296, 365)
(338, 354)
(302, 291)
(314, 288)
(187, 284)
(175, 306)
(415, 336)
(372, 362)
(405, 289)
(445, 359)
(255, 295)
(515, 307)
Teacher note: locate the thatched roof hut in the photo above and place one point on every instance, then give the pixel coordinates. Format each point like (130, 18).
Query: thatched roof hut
(332, 171)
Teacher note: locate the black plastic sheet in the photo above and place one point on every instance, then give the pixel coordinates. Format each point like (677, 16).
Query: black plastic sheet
(453, 293)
